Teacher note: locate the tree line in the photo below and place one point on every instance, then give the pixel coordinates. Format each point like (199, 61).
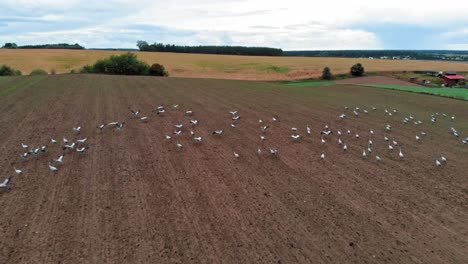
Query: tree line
(44, 46)
(226, 50)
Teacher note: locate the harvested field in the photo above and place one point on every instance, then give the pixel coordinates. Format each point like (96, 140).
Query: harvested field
(217, 66)
(135, 198)
(377, 80)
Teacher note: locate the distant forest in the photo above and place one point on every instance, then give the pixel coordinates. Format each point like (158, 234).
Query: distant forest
(44, 46)
(376, 54)
(226, 50)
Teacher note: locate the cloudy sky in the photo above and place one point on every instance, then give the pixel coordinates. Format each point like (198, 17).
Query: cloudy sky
(291, 25)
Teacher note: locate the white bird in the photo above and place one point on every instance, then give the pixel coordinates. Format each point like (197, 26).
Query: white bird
(24, 146)
(192, 133)
(233, 113)
(189, 113)
(444, 159)
(53, 141)
(112, 124)
(120, 125)
(371, 132)
(262, 137)
(179, 126)
(43, 148)
(77, 130)
(365, 111)
(345, 147)
(65, 140)
(161, 111)
(218, 132)
(18, 172)
(24, 155)
(357, 136)
(194, 122)
(100, 126)
(401, 154)
(274, 119)
(144, 119)
(309, 131)
(81, 150)
(178, 132)
(233, 125)
(453, 118)
(293, 129)
(72, 146)
(370, 142)
(349, 132)
(260, 121)
(198, 139)
(423, 133)
(264, 128)
(60, 159)
(437, 162)
(235, 117)
(274, 152)
(295, 137)
(135, 113)
(236, 155)
(373, 108)
(323, 141)
(81, 141)
(417, 138)
(356, 113)
(180, 146)
(339, 141)
(6, 182)
(364, 155)
(326, 132)
(395, 143)
(339, 133)
(52, 168)
(386, 138)
(168, 137)
(322, 156)
(175, 106)
(390, 147)
(342, 116)
(378, 158)
(259, 151)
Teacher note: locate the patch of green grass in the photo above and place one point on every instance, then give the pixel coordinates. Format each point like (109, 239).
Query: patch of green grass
(311, 83)
(457, 93)
(277, 69)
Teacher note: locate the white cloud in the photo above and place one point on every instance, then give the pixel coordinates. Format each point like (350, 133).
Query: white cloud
(295, 24)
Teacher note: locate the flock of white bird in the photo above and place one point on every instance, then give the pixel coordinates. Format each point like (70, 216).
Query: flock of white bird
(80, 146)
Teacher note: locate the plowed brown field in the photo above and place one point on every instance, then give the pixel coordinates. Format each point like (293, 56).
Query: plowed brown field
(135, 198)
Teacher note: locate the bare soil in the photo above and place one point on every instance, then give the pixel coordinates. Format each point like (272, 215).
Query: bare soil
(135, 198)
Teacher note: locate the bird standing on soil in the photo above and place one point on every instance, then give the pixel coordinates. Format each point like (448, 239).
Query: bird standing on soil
(295, 137)
(309, 131)
(401, 154)
(179, 146)
(274, 152)
(52, 168)
(81, 141)
(77, 130)
(198, 139)
(259, 151)
(345, 147)
(168, 138)
(53, 141)
(82, 150)
(6, 182)
(18, 172)
(60, 159)
(438, 163)
(378, 158)
(218, 132)
(100, 126)
(144, 119)
(322, 156)
(236, 155)
(24, 146)
(263, 138)
(135, 113)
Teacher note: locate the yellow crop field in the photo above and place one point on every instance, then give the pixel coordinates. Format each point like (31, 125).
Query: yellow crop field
(216, 66)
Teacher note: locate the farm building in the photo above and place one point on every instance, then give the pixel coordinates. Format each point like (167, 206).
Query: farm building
(451, 80)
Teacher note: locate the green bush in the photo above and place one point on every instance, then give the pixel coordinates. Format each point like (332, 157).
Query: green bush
(125, 64)
(38, 72)
(158, 70)
(326, 74)
(357, 70)
(8, 71)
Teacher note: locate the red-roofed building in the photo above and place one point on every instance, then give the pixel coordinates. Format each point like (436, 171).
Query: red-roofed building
(451, 80)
